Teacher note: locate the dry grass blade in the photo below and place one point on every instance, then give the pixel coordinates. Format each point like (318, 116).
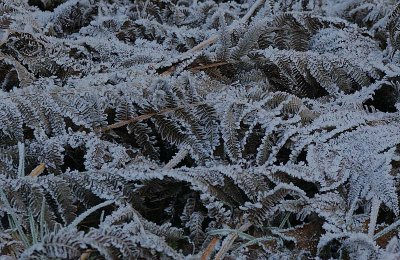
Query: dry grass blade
(38, 170)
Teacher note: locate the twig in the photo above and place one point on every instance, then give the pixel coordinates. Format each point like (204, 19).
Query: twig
(251, 11)
(144, 117)
(209, 249)
(213, 39)
(132, 120)
(211, 65)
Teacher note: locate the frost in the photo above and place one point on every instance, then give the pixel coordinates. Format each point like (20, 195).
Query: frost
(199, 129)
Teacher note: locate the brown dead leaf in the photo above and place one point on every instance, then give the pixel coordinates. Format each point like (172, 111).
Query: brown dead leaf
(307, 236)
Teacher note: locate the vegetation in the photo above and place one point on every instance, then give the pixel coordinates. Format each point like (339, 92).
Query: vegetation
(184, 129)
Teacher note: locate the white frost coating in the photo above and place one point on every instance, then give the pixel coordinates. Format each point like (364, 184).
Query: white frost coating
(170, 120)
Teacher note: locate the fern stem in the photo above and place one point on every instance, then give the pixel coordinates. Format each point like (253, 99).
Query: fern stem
(285, 219)
(42, 221)
(255, 241)
(386, 230)
(374, 216)
(178, 157)
(85, 214)
(204, 44)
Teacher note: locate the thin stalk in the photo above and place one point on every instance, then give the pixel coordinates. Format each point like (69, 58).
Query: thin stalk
(85, 214)
(21, 163)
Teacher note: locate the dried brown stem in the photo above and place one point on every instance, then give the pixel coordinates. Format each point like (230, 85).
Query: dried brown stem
(213, 39)
(211, 65)
(38, 170)
(134, 119)
(143, 117)
(209, 249)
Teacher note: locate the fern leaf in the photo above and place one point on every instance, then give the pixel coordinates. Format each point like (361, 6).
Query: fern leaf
(229, 131)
